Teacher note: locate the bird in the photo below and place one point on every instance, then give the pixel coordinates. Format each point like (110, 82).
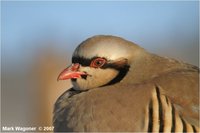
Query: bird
(119, 86)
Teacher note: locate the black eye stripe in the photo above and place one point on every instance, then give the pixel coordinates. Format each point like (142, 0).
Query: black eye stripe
(84, 61)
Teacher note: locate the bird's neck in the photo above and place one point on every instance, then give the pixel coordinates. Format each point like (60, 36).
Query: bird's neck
(148, 66)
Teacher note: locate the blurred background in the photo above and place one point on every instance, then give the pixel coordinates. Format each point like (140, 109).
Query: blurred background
(38, 38)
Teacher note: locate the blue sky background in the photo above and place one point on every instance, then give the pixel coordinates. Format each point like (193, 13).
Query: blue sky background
(168, 28)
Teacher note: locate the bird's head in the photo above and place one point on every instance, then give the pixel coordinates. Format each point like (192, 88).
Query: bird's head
(99, 61)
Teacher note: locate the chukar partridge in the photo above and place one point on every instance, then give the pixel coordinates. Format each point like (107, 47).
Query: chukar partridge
(119, 86)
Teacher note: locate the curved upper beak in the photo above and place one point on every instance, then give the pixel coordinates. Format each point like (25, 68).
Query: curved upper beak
(71, 72)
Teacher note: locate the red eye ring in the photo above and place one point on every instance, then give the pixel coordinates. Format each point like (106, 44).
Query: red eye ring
(98, 62)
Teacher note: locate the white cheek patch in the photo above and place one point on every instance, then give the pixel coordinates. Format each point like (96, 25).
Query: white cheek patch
(97, 77)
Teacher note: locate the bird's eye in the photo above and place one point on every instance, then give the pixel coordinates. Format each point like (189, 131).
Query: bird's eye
(98, 62)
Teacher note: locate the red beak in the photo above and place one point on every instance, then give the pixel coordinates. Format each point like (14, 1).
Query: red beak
(71, 72)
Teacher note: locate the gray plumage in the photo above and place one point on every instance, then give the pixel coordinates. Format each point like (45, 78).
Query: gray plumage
(133, 91)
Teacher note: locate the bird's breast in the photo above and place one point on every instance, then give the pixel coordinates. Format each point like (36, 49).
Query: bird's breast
(108, 110)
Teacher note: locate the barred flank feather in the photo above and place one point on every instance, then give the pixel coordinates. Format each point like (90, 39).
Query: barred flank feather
(162, 116)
